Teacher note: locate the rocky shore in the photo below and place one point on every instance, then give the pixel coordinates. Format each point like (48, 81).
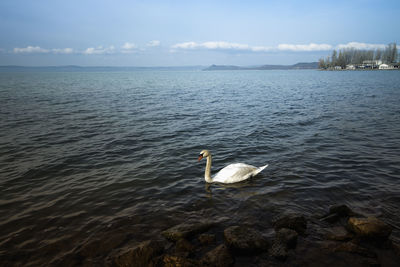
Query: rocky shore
(341, 237)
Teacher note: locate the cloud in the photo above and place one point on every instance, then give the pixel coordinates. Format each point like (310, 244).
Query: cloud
(30, 49)
(304, 47)
(245, 47)
(62, 50)
(211, 46)
(360, 46)
(154, 43)
(100, 50)
(127, 48)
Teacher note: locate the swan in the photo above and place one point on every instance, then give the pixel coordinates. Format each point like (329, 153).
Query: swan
(232, 173)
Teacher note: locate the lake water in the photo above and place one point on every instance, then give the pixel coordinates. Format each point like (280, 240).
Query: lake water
(89, 156)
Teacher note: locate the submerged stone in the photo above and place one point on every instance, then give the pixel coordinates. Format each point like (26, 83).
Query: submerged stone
(295, 222)
(186, 230)
(182, 245)
(288, 237)
(369, 228)
(140, 255)
(279, 251)
(245, 240)
(177, 261)
(339, 233)
(218, 257)
(341, 210)
(350, 247)
(336, 212)
(206, 239)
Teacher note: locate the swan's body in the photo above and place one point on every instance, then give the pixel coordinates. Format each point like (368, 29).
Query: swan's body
(232, 173)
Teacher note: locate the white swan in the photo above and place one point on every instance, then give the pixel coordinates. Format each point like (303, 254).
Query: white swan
(232, 173)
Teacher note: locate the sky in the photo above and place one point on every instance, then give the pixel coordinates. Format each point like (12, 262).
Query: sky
(188, 33)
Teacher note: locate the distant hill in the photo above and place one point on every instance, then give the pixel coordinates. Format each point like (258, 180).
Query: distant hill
(297, 66)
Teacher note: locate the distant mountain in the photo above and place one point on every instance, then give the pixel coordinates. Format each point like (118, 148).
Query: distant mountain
(297, 66)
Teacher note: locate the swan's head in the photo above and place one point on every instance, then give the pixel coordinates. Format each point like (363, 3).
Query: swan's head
(203, 154)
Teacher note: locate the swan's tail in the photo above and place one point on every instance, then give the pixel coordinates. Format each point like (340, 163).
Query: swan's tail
(260, 169)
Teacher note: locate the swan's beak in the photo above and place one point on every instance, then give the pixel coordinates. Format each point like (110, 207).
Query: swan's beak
(200, 157)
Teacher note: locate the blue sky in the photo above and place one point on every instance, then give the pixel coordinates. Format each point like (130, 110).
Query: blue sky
(176, 33)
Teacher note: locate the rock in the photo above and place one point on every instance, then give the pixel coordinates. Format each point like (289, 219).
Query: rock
(177, 261)
(341, 210)
(369, 228)
(182, 245)
(279, 250)
(287, 237)
(396, 248)
(292, 221)
(331, 218)
(336, 212)
(218, 257)
(353, 248)
(207, 239)
(245, 240)
(141, 255)
(186, 230)
(339, 234)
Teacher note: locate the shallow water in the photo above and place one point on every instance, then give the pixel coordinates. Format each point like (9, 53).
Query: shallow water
(88, 156)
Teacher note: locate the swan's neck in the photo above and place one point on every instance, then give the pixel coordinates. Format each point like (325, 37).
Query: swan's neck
(207, 174)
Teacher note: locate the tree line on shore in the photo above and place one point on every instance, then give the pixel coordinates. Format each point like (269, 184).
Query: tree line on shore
(355, 56)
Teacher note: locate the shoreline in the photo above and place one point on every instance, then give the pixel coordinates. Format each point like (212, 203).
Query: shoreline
(340, 237)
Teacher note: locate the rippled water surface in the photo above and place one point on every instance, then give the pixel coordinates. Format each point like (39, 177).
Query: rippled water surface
(87, 156)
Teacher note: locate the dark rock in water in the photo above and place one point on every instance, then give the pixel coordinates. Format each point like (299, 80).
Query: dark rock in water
(143, 254)
(341, 210)
(369, 228)
(337, 212)
(292, 221)
(207, 239)
(186, 230)
(331, 218)
(279, 250)
(285, 238)
(350, 247)
(288, 237)
(339, 233)
(396, 248)
(182, 245)
(218, 257)
(245, 240)
(177, 261)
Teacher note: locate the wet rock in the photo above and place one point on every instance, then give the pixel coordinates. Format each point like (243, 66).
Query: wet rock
(369, 228)
(182, 245)
(339, 234)
(287, 237)
(295, 222)
(177, 261)
(341, 210)
(350, 247)
(396, 248)
(279, 250)
(331, 218)
(245, 240)
(141, 255)
(206, 239)
(186, 230)
(336, 212)
(218, 257)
